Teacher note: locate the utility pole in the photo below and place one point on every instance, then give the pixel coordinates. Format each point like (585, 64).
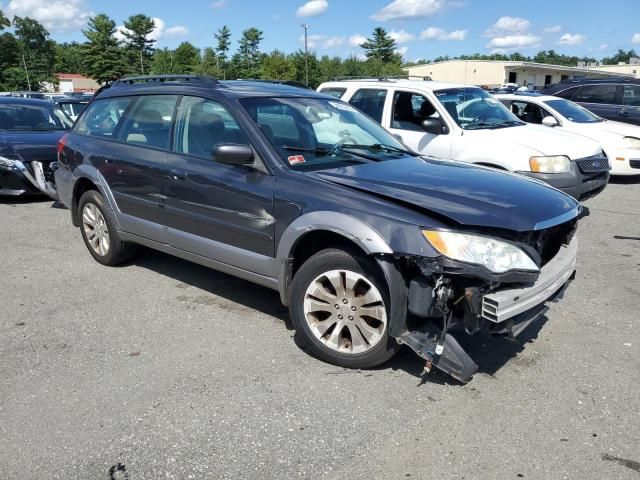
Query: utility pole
(26, 71)
(306, 55)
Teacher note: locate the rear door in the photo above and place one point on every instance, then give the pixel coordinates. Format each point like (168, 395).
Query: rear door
(601, 99)
(630, 110)
(408, 110)
(134, 138)
(221, 212)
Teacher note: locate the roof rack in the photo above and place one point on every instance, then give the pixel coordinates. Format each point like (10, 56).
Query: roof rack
(384, 78)
(166, 78)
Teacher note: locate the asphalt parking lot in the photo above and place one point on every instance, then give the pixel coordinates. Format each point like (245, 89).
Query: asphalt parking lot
(164, 369)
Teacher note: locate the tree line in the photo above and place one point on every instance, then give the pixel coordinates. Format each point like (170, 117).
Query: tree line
(29, 58)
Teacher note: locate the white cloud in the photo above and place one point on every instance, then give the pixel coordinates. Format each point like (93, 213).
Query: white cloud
(553, 29)
(55, 15)
(405, 9)
(357, 40)
(572, 39)
(402, 50)
(604, 46)
(635, 38)
(218, 4)
(435, 33)
(312, 8)
(401, 36)
(322, 41)
(513, 42)
(508, 26)
(160, 31)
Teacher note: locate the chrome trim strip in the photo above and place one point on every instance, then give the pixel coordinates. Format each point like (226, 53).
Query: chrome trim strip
(565, 217)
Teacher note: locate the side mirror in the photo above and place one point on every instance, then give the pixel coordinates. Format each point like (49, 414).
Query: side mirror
(433, 126)
(233, 154)
(550, 121)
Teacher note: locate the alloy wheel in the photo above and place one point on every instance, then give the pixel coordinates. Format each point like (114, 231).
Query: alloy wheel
(95, 229)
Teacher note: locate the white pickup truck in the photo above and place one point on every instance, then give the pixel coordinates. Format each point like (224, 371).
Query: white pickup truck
(465, 123)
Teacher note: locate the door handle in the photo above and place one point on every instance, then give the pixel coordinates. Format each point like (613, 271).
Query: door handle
(178, 174)
(624, 113)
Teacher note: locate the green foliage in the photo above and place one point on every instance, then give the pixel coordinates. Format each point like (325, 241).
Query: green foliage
(36, 51)
(246, 62)
(276, 66)
(69, 58)
(380, 46)
(104, 59)
(223, 39)
(620, 57)
(137, 31)
(210, 64)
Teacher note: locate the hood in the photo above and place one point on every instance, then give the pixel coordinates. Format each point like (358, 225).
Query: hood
(539, 138)
(465, 194)
(30, 146)
(613, 128)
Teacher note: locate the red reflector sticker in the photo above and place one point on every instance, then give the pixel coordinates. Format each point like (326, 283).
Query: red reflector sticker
(295, 159)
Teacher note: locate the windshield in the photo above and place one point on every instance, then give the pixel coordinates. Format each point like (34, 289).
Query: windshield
(73, 109)
(474, 109)
(311, 133)
(32, 118)
(573, 112)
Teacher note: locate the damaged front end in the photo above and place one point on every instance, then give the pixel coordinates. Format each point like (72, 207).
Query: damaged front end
(432, 297)
(28, 176)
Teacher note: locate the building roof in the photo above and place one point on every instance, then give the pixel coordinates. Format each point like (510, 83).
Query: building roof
(424, 84)
(71, 76)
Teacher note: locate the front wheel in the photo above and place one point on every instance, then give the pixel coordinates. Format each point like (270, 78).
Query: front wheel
(339, 307)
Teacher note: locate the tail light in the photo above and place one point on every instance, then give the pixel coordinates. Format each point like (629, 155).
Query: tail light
(61, 144)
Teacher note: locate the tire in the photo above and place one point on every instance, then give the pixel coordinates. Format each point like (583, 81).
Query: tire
(313, 311)
(109, 249)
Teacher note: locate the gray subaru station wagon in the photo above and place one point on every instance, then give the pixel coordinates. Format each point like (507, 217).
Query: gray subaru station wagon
(370, 245)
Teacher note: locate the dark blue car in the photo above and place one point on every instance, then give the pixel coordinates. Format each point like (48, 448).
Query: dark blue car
(370, 245)
(29, 134)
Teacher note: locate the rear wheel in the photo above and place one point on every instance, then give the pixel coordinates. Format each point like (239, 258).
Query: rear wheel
(98, 228)
(339, 307)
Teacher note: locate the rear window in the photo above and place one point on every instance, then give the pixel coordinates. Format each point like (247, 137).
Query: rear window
(101, 117)
(336, 92)
(370, 101)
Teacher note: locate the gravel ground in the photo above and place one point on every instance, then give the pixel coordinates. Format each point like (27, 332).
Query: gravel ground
(165, 369)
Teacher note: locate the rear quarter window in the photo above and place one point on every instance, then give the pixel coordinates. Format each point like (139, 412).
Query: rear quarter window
(336, 92)
(101, 117)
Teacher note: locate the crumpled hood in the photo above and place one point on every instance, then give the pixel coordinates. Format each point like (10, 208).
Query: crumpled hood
(463, 193)
(30, 146)
(539, 138)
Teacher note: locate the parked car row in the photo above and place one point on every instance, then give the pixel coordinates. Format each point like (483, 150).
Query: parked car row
(370, 243)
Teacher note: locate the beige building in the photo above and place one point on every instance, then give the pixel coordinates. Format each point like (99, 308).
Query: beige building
(631, 68)
(496, 73)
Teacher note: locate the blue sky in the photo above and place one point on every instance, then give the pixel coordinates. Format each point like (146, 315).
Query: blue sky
(423, 28)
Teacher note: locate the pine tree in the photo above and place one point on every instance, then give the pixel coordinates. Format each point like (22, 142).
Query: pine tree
(137, 31)
(223, 37)
(380, 47)
(104, 58)
(249, 56)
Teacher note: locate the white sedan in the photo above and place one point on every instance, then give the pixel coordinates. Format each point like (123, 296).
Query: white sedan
(620, 141)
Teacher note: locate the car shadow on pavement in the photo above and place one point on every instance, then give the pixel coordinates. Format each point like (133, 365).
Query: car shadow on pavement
(490, 354)
(230, 288)
(23, 200)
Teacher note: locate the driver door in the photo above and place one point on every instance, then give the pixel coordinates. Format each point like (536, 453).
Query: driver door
(408, 110)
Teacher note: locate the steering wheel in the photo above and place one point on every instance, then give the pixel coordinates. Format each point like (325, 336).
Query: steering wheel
(44, 125)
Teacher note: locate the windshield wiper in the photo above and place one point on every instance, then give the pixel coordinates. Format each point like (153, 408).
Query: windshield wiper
(481, 125)
(376, 147)
(316, 150)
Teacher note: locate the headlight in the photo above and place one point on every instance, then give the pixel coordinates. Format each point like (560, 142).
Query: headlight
(496, 255)
(552, 164)
(6, 164)
(632, 143)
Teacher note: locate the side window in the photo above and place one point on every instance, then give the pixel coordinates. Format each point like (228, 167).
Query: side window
(597, 94)
(410, 109)
(101, 118)
(149, 121)
(528, 112)
(370, 101)
(334, 91)
(631, 95)
(201, 124)
(569, 93)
